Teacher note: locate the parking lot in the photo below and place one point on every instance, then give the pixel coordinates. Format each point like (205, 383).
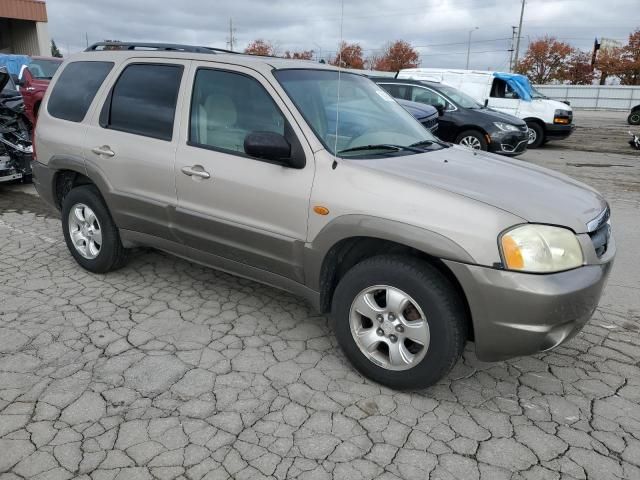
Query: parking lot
(165, 369)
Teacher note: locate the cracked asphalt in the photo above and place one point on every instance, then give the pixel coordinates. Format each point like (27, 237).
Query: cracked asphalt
(166, 369)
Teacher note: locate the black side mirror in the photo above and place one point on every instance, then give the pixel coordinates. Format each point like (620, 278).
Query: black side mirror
(269, 146)
(440, 109)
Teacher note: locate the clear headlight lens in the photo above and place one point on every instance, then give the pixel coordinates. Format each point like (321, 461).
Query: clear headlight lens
(506, 127)
(540, 249)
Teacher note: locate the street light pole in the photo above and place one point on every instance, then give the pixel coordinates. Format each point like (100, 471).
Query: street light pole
(515, 60)
(469, 45)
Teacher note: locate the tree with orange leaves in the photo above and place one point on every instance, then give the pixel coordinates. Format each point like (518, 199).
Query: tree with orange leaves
(303, 55)
(260, 47)
(396, 56)
(349, 56)
(546, 60)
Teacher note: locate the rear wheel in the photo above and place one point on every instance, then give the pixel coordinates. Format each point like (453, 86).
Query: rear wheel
(89, 231)
(536, 135)
(472, 139)
(399, 321)
(634, 118)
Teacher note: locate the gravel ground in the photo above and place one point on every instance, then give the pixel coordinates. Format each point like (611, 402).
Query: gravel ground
(165, 370)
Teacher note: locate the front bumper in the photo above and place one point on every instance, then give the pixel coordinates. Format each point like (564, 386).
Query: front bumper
(518, 314)
(554, 131)
(508, 143)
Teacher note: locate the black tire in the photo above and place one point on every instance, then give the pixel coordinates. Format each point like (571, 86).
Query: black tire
(540, 138)
(634, 118)
(475, 134)
(435, 295)
(112, 254)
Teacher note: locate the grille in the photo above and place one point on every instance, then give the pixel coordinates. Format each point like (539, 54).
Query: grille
(431, 123)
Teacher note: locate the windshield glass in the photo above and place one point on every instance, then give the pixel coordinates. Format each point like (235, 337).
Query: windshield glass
(536, 94)
(367, 115)
(43, 69)
(462, 99)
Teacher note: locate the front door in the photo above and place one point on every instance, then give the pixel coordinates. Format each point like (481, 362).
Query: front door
(503, 98)
(447, 129)
(232, 205)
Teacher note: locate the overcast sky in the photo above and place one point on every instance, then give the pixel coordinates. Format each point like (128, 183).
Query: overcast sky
(438, 28)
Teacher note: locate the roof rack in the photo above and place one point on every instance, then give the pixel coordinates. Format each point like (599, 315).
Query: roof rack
(173, 47)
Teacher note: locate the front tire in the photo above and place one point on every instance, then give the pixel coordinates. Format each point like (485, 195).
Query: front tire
(399, 321)
(634, 118)
(536, 135)
(89, 231)
(472, 139)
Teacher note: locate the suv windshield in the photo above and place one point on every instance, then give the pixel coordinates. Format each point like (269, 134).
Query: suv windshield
(461, 99)
(43, 69)
(358, 119)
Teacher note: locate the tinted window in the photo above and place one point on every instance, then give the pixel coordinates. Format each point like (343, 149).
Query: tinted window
(227, 106)
(74, 91)
(144, 100)
(397, 91)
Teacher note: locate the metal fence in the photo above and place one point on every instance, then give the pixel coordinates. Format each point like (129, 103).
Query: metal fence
(594, 97)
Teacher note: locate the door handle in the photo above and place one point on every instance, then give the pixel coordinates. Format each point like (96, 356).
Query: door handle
(104, 150)
(196, 171)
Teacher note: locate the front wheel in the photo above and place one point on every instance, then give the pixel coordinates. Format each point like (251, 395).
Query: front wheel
(472, 139)
(399, 321)
(634, 118)
(536, 135)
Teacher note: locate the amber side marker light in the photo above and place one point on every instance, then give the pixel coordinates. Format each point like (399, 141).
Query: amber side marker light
(320, 210)
(512, 254)
(561, 120)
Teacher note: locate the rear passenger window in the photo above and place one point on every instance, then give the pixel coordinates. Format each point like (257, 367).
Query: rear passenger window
(143, 100)
(227, 106)
(75, 89)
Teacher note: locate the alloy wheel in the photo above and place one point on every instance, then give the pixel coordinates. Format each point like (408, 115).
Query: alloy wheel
(533, 136)
(389, 327)
(471, 142)
(85, 231)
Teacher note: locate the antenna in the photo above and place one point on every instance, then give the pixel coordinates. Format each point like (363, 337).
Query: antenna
(335, 145)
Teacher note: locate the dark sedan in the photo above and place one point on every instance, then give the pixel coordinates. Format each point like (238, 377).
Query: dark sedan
(463, 120)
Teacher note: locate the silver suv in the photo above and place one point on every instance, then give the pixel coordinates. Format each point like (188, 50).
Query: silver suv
(316, 181)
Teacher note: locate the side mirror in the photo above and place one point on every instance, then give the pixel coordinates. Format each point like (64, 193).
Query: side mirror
(269, 146)
(440, 109)
(16, 80)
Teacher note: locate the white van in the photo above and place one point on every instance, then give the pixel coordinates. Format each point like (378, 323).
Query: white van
(510, 93)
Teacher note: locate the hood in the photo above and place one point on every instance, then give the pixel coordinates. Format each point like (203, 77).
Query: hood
(420, 111)
(496, 116)
(554, 103)
(535, 194)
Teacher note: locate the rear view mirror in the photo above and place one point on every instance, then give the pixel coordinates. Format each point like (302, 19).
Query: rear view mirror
(269, 146)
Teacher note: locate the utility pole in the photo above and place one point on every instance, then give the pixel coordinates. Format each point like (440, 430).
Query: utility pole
(515, 61)
(469, 45)
(86, 38)
(231, 38)
(513, 45)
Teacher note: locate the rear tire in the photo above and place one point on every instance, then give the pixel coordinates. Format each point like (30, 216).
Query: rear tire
(429, 297)
(104, 256)
(536, 135)
(472, 139)
(634, 118)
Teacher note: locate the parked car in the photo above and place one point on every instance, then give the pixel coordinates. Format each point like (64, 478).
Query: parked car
(509, 93)
(414, 245)
(463, 121)
(33, 81)
(427, 115)
(634, 116)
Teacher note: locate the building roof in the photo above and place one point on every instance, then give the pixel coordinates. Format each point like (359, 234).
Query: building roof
(34, 10)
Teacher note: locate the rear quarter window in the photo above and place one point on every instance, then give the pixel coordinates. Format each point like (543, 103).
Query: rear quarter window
(76, 88)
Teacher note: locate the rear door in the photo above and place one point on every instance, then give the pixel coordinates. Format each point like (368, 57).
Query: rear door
(131, 143)
(240, 208)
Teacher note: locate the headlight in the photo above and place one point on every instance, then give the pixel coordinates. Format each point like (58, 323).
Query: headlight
(540, 249)
(562, 117)
(506, 127)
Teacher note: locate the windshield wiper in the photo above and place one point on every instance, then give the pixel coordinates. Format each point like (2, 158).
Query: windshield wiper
(428, 143)
(382, 146)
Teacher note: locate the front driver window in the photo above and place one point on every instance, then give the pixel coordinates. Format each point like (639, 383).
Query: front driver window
(422, 95)
(227, 106)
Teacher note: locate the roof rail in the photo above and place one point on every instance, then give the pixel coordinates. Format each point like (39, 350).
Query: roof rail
(173, 47)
